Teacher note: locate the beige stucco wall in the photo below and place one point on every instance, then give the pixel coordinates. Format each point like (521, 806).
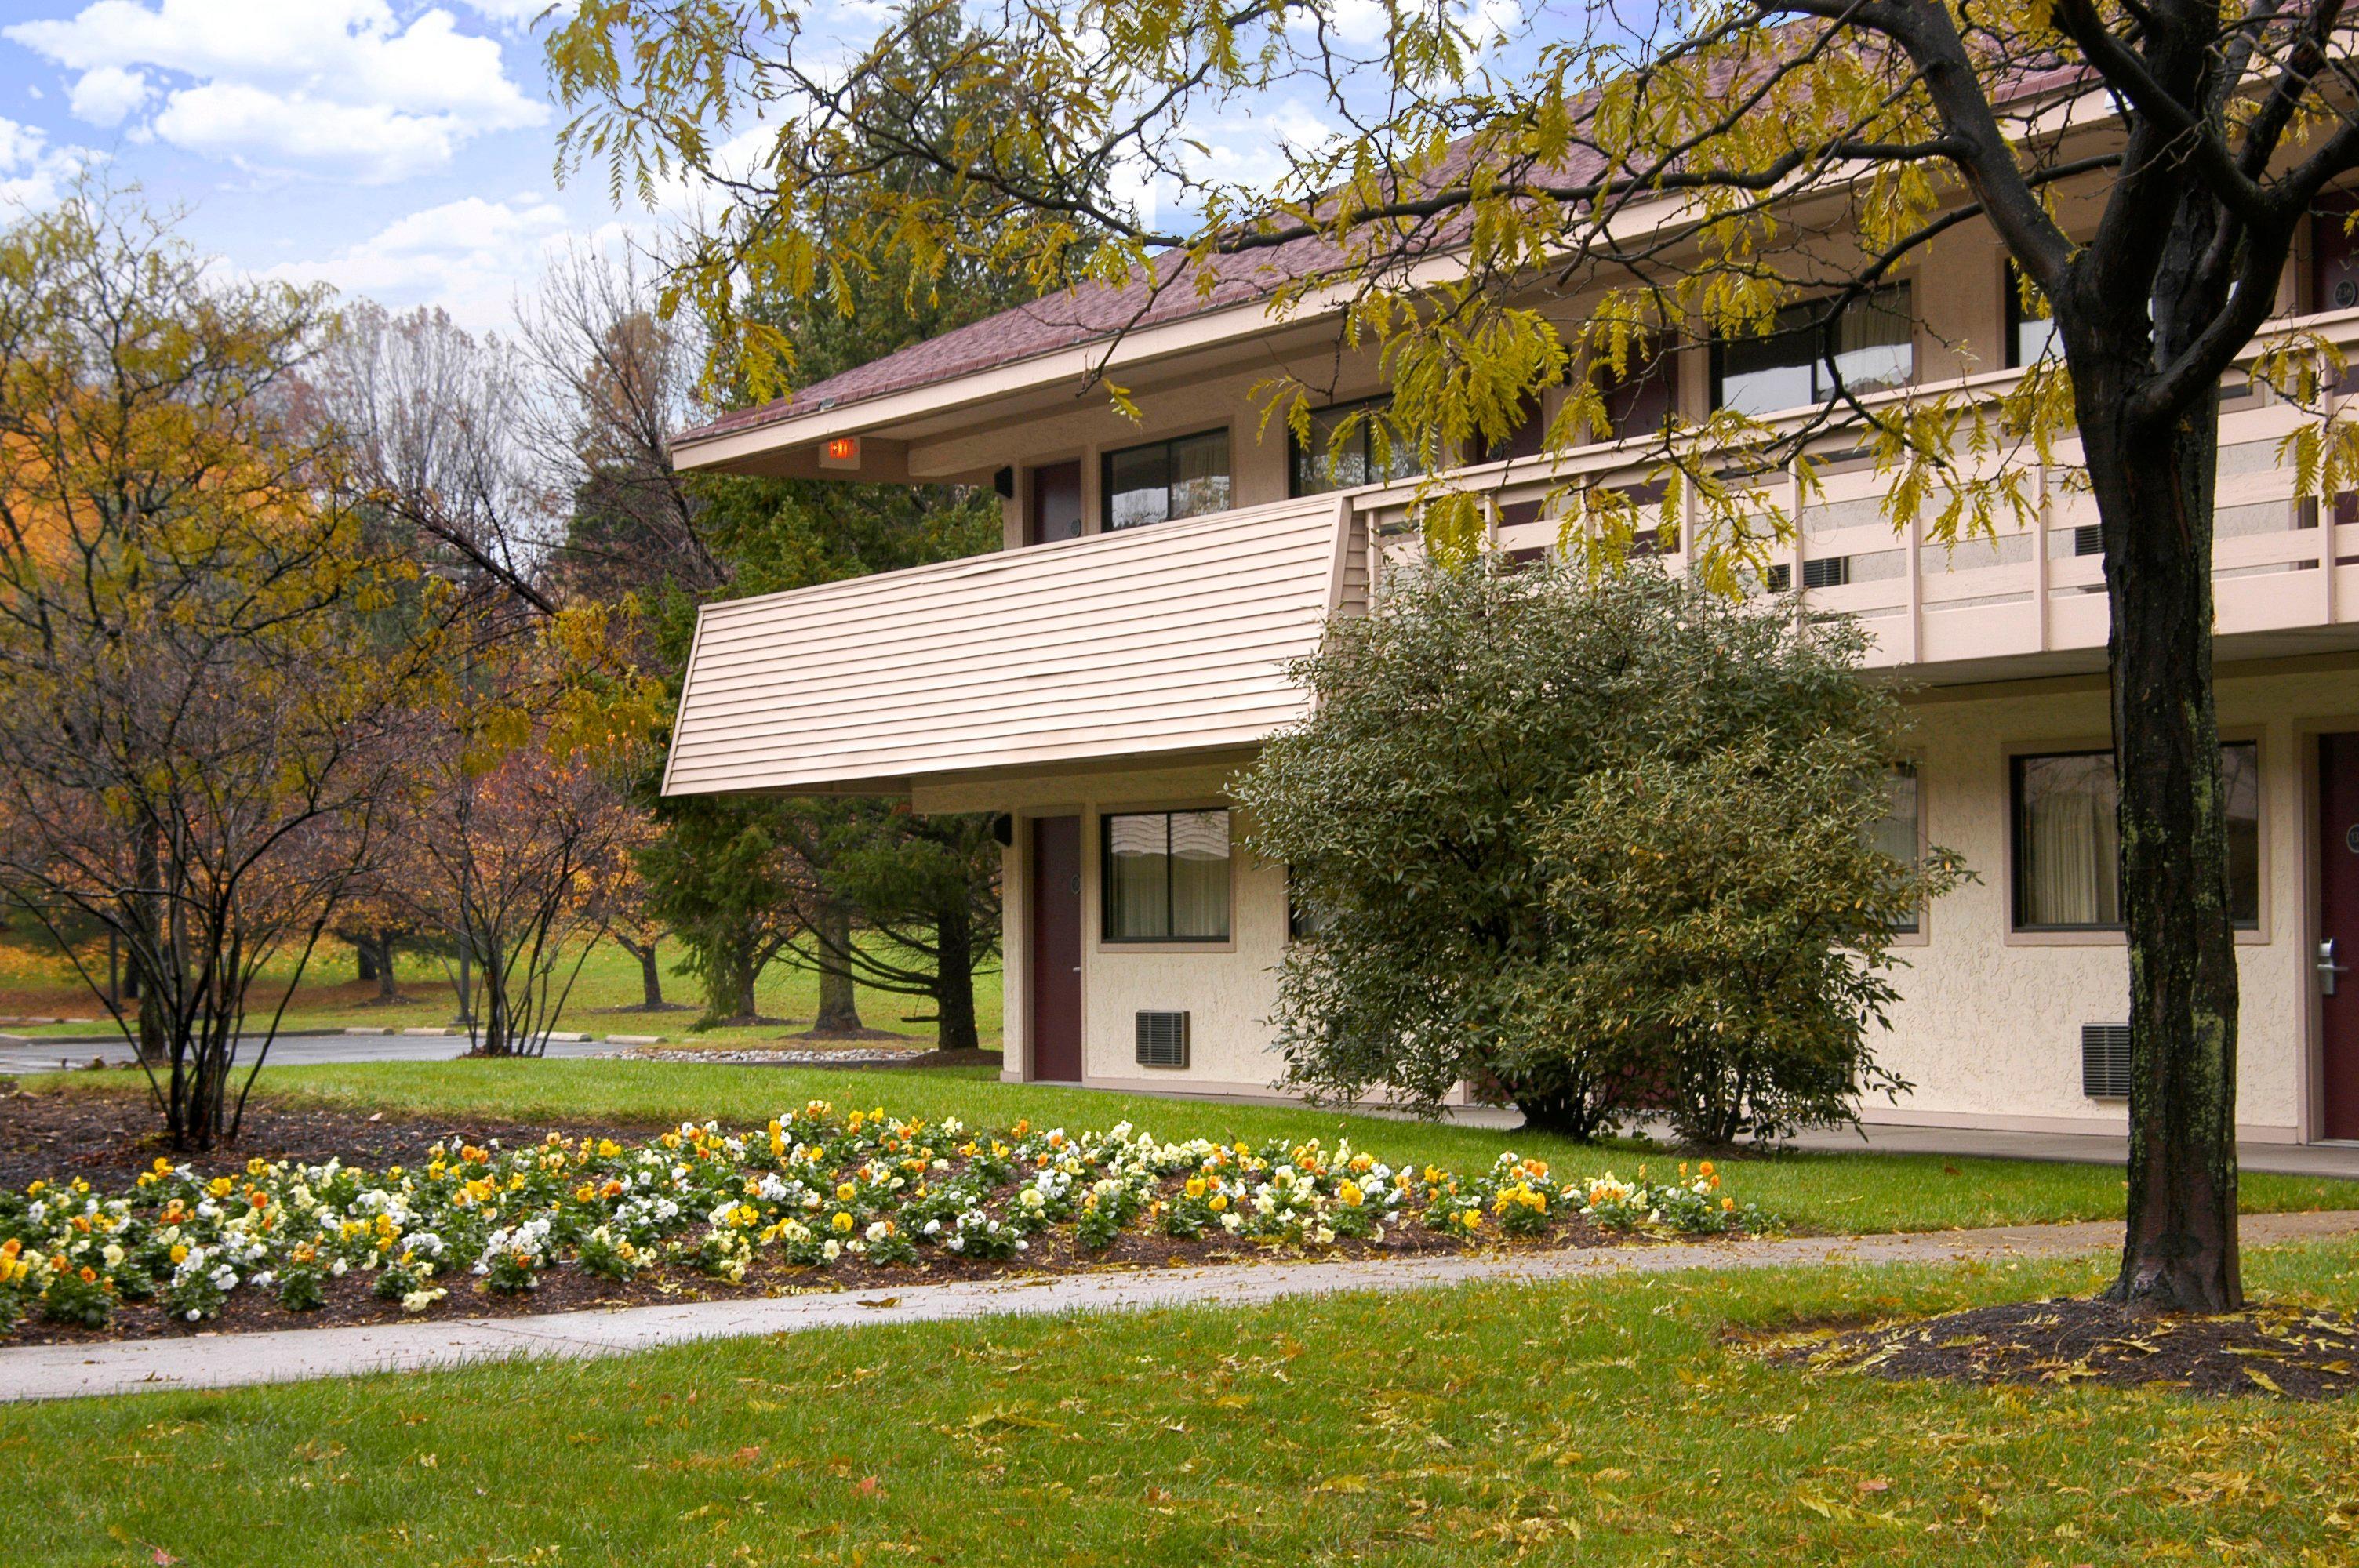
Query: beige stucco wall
(1988, 1029)
(1227, 989)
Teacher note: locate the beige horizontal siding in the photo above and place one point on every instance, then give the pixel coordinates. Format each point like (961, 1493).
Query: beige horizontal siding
(1168, 638)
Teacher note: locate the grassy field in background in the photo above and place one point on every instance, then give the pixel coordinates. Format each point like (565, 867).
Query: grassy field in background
(35, 980)
(1604, 1422)
(1828, 1192)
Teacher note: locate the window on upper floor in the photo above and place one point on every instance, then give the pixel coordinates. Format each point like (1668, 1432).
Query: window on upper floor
(1167, 876)
(2335, 253)
(1161, 481)
(2067, 842)
(2028, 336)
(1336, 457)
(1526, 440)
(1875, 346)
(1641, 400)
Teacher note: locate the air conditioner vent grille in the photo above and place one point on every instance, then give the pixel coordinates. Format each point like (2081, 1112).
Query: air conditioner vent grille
(1163, 1040)
(2105, 1061)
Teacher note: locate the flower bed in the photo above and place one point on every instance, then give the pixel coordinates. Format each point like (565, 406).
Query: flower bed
(814, 1193)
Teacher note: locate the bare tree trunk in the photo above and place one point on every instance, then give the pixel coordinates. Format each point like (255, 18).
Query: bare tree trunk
(466, 986)
(954, 980)
(746, 975)
(651, 995)
(838, 1005)
(364, 958)
(2154, 492)
(388, 988)
(155, 1031)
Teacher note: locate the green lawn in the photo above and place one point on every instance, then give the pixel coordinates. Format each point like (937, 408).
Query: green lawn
(35, 980)
(1821, 1192)
(1595, 1423)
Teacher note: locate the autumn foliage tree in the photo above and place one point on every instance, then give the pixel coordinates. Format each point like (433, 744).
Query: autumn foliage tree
(508, 852)
(195, 698)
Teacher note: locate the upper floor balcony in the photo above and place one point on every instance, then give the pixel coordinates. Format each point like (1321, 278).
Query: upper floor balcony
(1169, 639)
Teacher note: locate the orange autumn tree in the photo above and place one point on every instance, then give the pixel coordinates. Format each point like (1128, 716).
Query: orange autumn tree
(201, 654)
(514, 824)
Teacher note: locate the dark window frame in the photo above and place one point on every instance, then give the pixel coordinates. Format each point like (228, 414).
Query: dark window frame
(2015, 844)
(1815, 333)
(1105, 881)
(1106, 476)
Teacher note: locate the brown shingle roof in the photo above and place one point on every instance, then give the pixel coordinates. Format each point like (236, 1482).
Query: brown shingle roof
(1060, 321)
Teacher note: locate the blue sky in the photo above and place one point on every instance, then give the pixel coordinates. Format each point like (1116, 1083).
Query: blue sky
(400, 150)
(396, 148)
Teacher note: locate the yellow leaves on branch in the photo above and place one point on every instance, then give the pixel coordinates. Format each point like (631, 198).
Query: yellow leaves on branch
(571, 687)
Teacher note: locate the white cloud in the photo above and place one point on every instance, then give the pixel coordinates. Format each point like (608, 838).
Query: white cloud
(32, 173)
(106, 95)
(333, 87)
(471, 258)
(523, 13)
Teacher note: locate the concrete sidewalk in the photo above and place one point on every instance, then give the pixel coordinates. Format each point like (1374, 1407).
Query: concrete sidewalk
(2331, 1160)
(227, 1360)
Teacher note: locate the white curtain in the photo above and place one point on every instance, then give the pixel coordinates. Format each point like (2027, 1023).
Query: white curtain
(1200, 875)
(1168, 876)
(1137, 882)
(1875, 340)
(2071, 841)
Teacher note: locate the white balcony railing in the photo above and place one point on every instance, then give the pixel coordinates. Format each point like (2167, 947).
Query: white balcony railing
(2281, 565)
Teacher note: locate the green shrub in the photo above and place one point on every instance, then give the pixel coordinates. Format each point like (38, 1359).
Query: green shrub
(1601, 848)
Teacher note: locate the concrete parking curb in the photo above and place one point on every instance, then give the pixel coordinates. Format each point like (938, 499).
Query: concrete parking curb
(228, 1360)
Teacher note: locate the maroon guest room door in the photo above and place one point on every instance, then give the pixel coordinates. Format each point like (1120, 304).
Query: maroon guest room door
(2337, 956)
(1056, 970)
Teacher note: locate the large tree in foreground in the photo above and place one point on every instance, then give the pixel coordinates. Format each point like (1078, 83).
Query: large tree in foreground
(1652, 165)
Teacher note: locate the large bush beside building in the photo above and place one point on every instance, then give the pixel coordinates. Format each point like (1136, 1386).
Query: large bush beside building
(1609, 849)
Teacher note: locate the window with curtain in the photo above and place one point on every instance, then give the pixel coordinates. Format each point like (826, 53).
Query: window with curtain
(1162, 481)
(1369, 453)
(2067, 842)
(1167, 876)
(1896, 833)
(1875, 346)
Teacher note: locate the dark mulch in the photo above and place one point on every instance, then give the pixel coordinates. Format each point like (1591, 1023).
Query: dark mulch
(977, 1058)
(108, 1138)
(2294, 1352)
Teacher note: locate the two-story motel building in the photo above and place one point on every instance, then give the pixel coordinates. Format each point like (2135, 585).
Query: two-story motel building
(1101, 677)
